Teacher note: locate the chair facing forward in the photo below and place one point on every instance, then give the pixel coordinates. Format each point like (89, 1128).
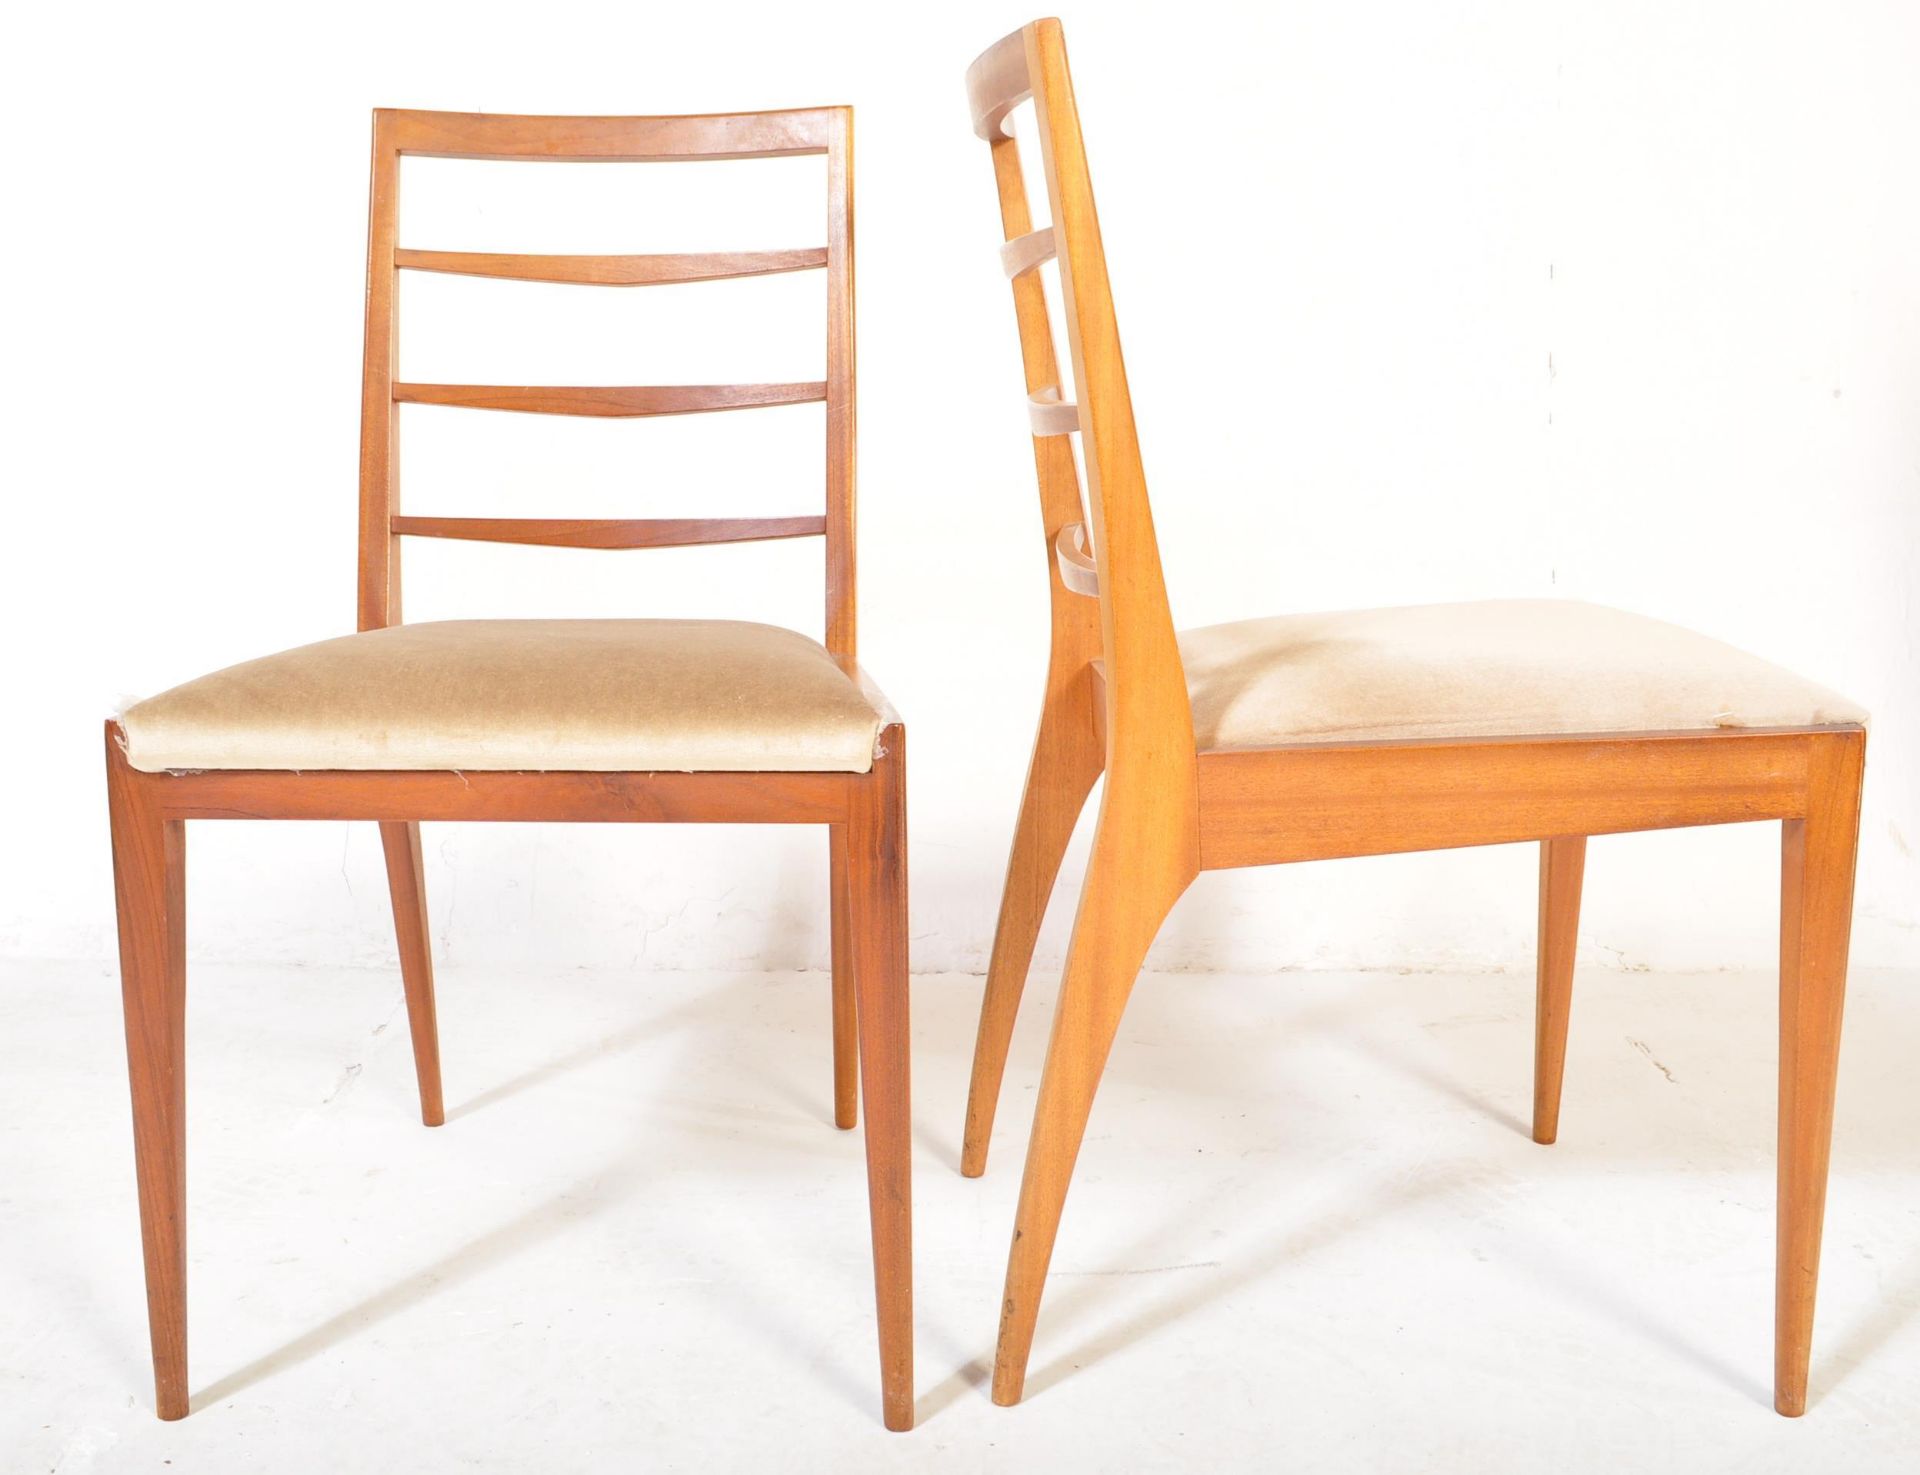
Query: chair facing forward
(554, 720)
(1306, 737)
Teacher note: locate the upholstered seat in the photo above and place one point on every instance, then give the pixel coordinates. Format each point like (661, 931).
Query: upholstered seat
(600, 695)
(1495, 668)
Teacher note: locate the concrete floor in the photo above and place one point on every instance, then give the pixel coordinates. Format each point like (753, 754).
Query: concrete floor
(1308, 1232)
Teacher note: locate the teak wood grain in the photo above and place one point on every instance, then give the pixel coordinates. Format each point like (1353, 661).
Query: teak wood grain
(611, 401)
(613, 271)
(864, 813)
(611, 532)
(1116, 703)
(1563, 865)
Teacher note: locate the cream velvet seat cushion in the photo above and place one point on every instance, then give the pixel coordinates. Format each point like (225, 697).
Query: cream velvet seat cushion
(606, 695)
(1496, 668)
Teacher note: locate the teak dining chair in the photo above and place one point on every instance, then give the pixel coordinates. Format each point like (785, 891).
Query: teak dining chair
(554, 720)
(1307, 737)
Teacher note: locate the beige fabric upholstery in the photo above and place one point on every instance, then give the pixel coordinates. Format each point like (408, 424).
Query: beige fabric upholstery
(1491, 669)
(606, 695)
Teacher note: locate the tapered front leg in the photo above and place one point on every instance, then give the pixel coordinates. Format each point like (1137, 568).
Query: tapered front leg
(1121, 909)
(406, 882)
(1563, 862)
(877, 901)
(1067, 758)
(149, 880)
(1816, 919)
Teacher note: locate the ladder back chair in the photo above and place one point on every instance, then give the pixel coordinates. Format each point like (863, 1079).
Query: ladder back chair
(1308, 737)
(698, 721)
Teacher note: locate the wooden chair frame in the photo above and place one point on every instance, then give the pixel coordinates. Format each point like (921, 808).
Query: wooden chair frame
(865, 813)
(1116, 703)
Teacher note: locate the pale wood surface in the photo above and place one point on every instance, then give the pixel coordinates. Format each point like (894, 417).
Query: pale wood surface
(1024, 253)
(611, 532)
(842, 402)
(1051, 415)
(407, 884)
(1078, 570)
(1116, 702)
(1563, 862)
(1261, 806)
(1068, 756)
(639, 140)
(618, 401)
(1817, 855)
(997, 83)
(1069, 750)
(379, 602)
(613, 271)
(1151, 766)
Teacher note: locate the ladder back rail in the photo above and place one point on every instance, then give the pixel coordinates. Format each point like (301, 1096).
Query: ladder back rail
(619, 401)
(398, 133)
(608, 532)
(997, 83)
(1024, 253)
(1050, 414)
(614, 271)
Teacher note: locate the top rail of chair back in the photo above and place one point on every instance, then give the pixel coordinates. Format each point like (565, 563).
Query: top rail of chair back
(767, 135)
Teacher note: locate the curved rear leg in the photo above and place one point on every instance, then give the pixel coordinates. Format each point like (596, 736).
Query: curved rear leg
(1563, 862)
(1121, 910)
(1067, 758)
(406, 881)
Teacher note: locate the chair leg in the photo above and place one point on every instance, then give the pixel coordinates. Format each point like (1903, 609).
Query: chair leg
(846, 1045)
(1121, 909)
(876, 844)
(149, 879)
(1816, 917)
(406, 881)
(1563, 861)
(1067, 758)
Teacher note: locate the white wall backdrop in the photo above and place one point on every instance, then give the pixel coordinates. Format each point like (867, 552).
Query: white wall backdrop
(1616, 301)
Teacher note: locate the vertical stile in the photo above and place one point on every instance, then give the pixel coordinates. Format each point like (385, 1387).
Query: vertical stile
(841, 579)
(1148, 709)
(379, 602)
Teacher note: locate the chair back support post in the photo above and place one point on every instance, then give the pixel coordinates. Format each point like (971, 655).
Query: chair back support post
(398, 133)
(841, 402)
(1149, 723)
(379, 602)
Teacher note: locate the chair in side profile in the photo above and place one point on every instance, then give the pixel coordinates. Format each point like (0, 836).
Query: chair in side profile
(1305, 737)
(701, 721)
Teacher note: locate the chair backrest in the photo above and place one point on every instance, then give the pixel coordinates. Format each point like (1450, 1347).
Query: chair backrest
(398, 133)
(1148, 718)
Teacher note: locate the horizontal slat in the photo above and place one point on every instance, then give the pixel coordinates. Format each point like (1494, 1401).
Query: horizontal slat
(629, 140)
(1052, 415)
(647, 532)
(997, 84)
(1077, 569)
(614, 271)
(1023, 253)
(640, 399)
